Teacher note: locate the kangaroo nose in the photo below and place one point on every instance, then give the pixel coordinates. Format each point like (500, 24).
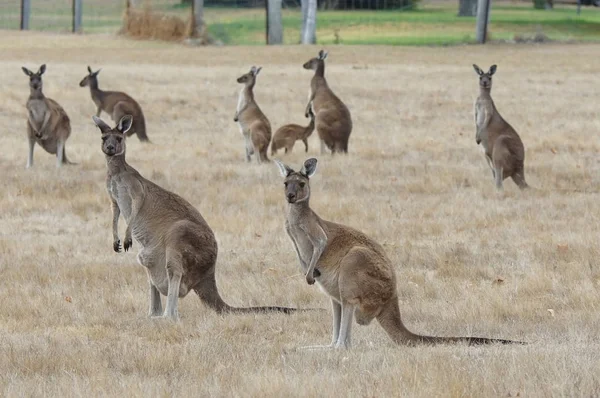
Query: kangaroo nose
(110, 148)
(291, 196)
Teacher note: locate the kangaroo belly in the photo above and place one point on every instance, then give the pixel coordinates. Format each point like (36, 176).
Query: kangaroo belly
(49, 144)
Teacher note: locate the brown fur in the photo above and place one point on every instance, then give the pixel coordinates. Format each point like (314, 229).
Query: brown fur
(254, 125)
(178, 248)
(47, 122)
(504, 151)
(332, 117)
(117, 104)
(286, 136)
(351, 268)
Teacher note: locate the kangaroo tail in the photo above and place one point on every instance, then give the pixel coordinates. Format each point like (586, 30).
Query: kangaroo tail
(208, 293)
(141, 130)
(390, 320)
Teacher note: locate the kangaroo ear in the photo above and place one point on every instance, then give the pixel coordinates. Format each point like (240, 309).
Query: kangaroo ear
(284, 169)
(27, 71)
(323, 54)
(101, 125)
(309, 168)
(89, 70)
(478, 70)
(96, 73)
(125, 124)
(42, 69)
(257, 70)
(492, 69)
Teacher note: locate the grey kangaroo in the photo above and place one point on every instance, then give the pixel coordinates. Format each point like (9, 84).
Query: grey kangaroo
(117, 104)
(503, 148)
(178, 248)
(47, 122)
(350, 267)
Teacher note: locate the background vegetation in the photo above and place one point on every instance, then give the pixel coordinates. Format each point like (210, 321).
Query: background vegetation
(432, 23)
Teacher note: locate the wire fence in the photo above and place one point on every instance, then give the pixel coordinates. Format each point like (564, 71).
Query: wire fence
(243, 22)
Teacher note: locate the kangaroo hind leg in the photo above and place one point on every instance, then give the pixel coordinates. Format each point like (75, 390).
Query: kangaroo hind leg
(174, 273)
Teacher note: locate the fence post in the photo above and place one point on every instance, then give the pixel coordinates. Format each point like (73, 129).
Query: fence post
(274, 23)
(77, 14)
(483, 13)
(25, 13)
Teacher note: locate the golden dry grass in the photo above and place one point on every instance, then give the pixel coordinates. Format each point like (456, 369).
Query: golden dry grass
(73, 314)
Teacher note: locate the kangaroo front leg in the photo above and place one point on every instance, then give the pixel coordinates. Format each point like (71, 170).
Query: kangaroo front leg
(137, 199)
(115, 226)
(319, 241)
(346, 326)
(42, 131)
(155, 303)
(98, 112)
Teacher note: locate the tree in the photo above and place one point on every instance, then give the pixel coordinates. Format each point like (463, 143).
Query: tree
(309, 35)
(467, 8)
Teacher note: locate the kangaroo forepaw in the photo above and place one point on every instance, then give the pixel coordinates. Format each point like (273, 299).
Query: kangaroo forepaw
(310, 279)
(127, 244)
(117, 246)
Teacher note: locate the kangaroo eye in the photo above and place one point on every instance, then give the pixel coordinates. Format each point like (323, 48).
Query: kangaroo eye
(119, 139)
(302, 184)
(104, 139)
(285, 184)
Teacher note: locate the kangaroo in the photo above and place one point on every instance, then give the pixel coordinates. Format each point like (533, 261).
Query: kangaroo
(47, 122)
(286, 136)
(117, 104)
(333, 120)
(178, 248)
(351, 268)
(254, 125)
(503, 148)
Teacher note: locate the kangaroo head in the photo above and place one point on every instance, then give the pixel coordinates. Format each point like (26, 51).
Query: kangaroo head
(249, 78)
(113, 139)
(485, 79)
(35, 79)
(91, 75)
(314, 63)
(297, 187)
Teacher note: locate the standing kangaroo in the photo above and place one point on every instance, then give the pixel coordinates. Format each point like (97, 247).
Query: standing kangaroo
(286, 136)
(47, 122)
(117, 104)
(333, 120)
(351, 268)
(254, 125)
(179, 249)
(503, 148)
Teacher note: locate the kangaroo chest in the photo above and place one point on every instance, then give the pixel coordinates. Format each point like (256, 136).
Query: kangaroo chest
(37, 111)
(119, 194)
(302, 244)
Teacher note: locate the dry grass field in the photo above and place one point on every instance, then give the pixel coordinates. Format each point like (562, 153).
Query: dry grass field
(523, 265)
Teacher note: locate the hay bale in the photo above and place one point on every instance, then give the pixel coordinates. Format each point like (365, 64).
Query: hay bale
(147, 24)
